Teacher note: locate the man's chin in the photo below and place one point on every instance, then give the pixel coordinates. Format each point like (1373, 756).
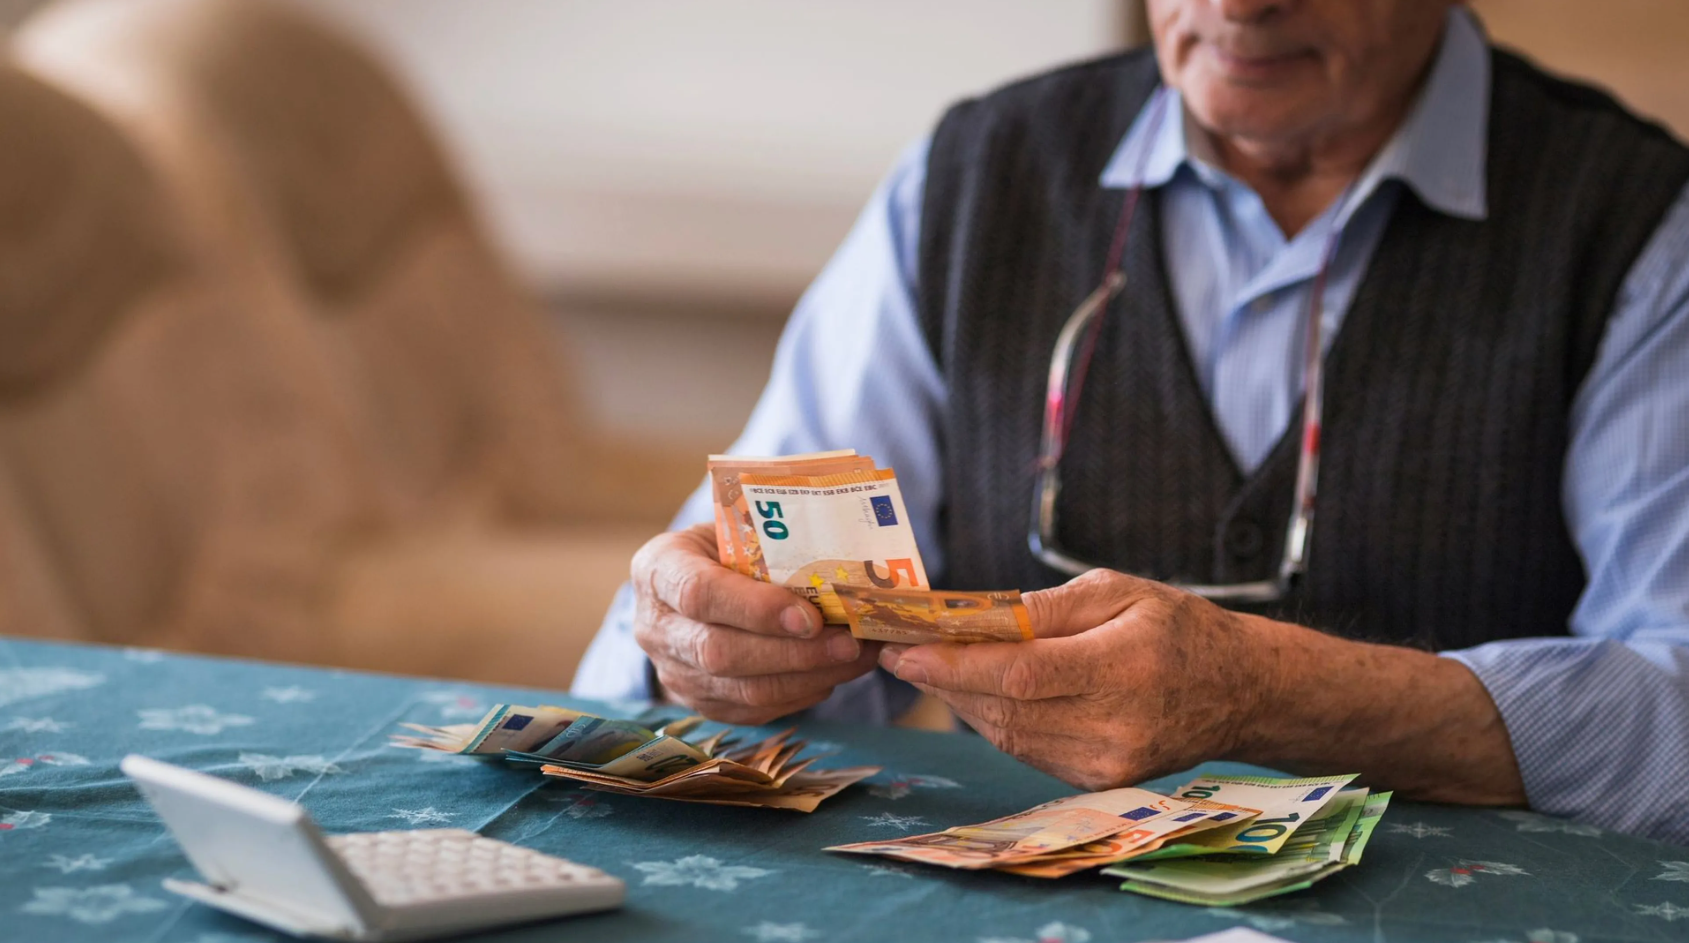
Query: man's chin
(1248, 115)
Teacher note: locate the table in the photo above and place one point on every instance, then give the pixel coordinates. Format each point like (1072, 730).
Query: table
(81, 856)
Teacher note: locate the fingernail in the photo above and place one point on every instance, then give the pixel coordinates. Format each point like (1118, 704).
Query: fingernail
(796, 621)
(843, 648)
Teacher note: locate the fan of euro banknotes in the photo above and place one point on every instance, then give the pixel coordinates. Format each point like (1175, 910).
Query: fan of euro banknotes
(832, 527)
(1219, 841)
(628, 757)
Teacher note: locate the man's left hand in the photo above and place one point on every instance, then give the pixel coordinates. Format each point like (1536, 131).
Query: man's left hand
(1126, 680)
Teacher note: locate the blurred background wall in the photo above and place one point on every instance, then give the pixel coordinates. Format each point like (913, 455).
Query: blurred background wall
(669, 175)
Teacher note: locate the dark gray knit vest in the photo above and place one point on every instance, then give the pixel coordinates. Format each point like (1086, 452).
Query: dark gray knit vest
(1448, 390)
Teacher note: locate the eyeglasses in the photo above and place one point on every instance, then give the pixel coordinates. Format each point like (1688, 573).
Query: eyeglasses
(1076, 345)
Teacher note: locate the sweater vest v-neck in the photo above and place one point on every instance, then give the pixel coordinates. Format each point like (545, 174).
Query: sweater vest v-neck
(1448, 387)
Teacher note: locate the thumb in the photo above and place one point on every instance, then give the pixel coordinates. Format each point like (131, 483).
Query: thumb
(1083, 603)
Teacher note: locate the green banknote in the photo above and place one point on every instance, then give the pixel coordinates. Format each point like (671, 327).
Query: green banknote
(1285, 805)
(1332, 841)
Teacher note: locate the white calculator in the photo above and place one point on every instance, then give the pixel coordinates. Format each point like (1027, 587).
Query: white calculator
(264, 859)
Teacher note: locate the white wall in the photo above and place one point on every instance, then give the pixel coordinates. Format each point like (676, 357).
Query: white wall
(675, 149)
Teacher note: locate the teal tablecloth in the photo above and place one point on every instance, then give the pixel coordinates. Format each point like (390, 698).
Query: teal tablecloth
(81, 856)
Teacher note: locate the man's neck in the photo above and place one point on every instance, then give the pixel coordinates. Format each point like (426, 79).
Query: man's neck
(1298, 179)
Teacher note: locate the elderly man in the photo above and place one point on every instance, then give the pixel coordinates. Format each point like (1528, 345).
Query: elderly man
(1332, 242)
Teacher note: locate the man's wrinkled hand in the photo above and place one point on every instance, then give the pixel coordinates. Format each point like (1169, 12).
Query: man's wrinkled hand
(1126, 680)
(732, 648)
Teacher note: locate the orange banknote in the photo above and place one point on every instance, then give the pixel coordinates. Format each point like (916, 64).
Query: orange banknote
(917, 617)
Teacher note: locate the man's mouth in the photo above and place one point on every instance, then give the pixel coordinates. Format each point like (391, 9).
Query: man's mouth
(1258, 65)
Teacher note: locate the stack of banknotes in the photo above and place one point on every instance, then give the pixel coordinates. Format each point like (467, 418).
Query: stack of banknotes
(1218, 841)
(628, 757)
(832, 528)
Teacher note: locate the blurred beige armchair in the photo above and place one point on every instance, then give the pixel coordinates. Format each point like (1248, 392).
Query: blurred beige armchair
(374, 457)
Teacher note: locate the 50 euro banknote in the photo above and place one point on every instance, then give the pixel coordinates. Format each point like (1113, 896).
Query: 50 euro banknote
(832, 527)
(813, 532)
(737, 544)
(1137, 815)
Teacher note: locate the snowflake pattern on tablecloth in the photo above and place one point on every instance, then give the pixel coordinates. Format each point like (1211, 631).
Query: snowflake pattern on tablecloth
(428, 816)
(902, 784)
(902, 823)
(36, 725)
(1466, 872)
(1532, 822)
(455, 704)
(1537, 936)
(582, 804)
(25, 763)
(292, 694)
(1419, 830)
(195, 718)
(1669, 912)
(1674, 871)
(1053, 932)
(17, 684)
(65, 864)
(1270, 919)
(770, 932)
(100, 904)
(448, 760)
(271, 768)
(22, 819)
(700, 871)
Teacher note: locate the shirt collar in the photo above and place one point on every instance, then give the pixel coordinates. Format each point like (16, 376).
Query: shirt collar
(1439, 150)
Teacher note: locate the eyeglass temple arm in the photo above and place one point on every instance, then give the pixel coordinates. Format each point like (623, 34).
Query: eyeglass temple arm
(1047, 486)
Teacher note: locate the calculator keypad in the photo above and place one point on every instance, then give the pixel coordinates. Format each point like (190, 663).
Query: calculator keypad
(425, 865)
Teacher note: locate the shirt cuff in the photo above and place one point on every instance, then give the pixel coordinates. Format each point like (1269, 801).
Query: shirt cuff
(1600, 728)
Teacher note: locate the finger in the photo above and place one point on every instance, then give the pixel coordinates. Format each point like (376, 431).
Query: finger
(890, 654)
(731, 653)
(1020, 670)
(765, 692)
(681, 571)
(1036, 717)
(1046, 753)
(1084, 602)
(727, 712)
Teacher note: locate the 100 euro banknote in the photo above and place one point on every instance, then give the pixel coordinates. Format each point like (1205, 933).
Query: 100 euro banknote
(1328, 843)
(1285, 804)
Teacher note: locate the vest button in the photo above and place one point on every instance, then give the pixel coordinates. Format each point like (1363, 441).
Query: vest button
(1245, 539)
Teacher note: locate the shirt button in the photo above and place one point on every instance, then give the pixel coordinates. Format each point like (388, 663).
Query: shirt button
(1244, 539)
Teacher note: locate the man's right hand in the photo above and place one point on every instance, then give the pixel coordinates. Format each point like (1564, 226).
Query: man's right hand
(734, 649)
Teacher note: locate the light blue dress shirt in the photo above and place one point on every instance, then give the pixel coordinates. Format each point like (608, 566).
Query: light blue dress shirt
(1599, 721)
